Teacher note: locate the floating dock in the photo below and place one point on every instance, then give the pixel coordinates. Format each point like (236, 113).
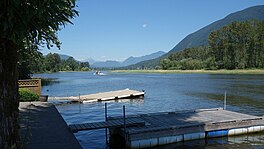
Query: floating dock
(170, 127)
(103, 96)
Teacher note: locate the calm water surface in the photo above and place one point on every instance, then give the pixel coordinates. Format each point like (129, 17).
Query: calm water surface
(164, 92)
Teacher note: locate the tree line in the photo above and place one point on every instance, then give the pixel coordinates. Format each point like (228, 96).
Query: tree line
(239, 45)
(35, 62)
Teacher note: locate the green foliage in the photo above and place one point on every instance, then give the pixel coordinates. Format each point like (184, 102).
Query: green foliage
(27, 95)
(27, 61)
(239, 45)
(188, 59)
(35, 62)
(53, 63)
(30, 24)
(35, 22)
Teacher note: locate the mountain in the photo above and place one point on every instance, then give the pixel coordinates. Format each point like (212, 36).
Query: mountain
(129, 61)
(199, 38)
(106, 64)
(90, 60)
(133, 60)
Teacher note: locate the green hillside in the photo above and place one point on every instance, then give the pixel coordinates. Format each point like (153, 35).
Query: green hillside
(199, 38)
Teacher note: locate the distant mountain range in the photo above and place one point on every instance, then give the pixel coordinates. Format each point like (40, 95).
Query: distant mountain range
(129, 61)
(114, 64)
(90, 60)
(199, 38)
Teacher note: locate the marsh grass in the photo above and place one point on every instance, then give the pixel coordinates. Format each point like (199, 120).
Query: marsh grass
(202, 71)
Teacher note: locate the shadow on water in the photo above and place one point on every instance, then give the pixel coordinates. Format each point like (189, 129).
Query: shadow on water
(249, 88)
(49, 81)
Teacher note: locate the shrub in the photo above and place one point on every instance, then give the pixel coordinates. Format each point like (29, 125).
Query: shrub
(27, 95)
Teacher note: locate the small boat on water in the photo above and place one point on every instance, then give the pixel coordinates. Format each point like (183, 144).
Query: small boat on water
(99, 73)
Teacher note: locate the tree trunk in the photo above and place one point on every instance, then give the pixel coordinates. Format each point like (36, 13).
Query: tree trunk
(9, 126)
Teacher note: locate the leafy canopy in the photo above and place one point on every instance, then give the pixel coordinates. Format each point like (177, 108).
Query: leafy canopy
(34, 22)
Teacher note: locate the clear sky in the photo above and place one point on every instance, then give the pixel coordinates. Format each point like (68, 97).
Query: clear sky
(117, 29)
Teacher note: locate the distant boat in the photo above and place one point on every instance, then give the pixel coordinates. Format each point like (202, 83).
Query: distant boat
(99, 73)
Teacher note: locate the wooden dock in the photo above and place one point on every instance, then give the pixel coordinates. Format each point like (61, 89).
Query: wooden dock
(170, 127)
(42, 127)
(107, 124)
(104, 96)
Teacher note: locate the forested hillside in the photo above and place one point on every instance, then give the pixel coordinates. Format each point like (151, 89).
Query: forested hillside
(199, 38)
(239, 45)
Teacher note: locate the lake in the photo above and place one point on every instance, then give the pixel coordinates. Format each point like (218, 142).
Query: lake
(163, 92)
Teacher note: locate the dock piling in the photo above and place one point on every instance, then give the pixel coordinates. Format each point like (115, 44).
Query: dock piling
(124, 117)
(106, 130)
(225, 101)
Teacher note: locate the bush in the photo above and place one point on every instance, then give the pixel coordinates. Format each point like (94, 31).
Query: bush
(27, 95)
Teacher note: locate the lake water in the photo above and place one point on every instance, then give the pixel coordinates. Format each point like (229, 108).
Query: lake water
(163, 92)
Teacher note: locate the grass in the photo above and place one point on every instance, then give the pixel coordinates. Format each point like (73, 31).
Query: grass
(202, 71)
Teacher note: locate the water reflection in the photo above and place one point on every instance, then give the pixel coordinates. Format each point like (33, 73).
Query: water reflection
(49, 81)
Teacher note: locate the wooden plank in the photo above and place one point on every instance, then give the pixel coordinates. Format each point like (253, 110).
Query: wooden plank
(87, 126)
(103, 96)
(81, 126)
(78, 127)
(100, 124)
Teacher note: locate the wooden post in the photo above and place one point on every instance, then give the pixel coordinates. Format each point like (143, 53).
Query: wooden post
(80, 110)
(124, 117)
(225, 101)
(106, 131)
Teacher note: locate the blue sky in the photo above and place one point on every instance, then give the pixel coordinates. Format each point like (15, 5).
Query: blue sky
(117, 29)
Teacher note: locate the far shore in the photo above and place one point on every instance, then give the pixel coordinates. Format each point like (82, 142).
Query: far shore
(202, 71)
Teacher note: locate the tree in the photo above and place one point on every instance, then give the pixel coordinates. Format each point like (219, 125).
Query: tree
(73, 65)
(24, 23)
(29, 61)
(52, 62)
(238, 45)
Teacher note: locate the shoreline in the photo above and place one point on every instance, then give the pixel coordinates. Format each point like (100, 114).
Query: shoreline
(201, 71)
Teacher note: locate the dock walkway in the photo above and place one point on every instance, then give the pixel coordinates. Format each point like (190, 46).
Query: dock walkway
(108, 124)
(103, 96)
(42, 127)
(170, 127)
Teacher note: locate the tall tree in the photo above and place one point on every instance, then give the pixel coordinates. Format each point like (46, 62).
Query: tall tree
(24, 22)
(73, 65)
(52, 62)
